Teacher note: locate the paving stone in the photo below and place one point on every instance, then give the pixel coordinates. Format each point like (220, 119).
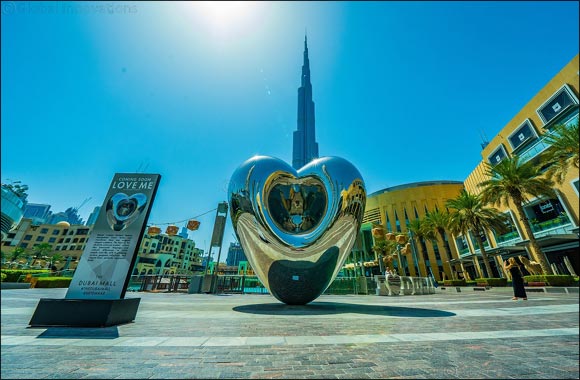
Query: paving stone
(460, 335)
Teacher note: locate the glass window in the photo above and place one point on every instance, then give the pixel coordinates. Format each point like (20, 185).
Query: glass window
(67, 240)
(24, 245)
(44, 230)
(39, 238)
(27, 237)
(575, 185)
(558, 103)
(51, 240)
(55, 232)
(522, 135)
(498, 155)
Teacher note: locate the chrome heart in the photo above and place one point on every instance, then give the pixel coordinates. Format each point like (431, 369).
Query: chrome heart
(122, 210)
(296, 227)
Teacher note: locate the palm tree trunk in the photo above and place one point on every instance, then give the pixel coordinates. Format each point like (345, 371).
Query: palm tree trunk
(422, 260)
(483, 255)
(446, 253)
(535, 250)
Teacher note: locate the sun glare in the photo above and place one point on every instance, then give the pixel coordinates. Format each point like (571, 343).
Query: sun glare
(225, 16)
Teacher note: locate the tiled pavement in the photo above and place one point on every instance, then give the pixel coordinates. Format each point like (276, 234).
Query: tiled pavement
(442, 335)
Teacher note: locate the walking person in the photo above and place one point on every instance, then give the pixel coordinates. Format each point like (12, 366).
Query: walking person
(517, 280)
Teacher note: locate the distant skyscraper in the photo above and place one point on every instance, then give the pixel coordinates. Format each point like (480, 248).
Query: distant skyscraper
(94, 215)
(305, 146)
(235, 255)
(39, 213)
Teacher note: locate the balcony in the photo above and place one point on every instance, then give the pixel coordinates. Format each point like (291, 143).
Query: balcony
(508, 239)
(558, 225)
(541, 145)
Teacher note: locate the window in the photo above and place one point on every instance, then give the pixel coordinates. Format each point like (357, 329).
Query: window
(560, 101)
(39, 238)
(524, 134)
(44, 230)
(51, 240)
(55, 232)
(67, 240)
(575, 184)
(23, 245)
(27, 237)
(497, 155)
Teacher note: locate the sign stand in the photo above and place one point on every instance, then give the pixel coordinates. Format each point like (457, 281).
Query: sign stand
(96, 295)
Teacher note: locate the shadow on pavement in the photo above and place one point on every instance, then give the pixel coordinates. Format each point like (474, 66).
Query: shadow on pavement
(328, 308)
(81, 332)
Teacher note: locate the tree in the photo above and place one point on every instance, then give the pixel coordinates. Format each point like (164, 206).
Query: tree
(39, 251)
(438, 222)
(419, 233)
(384, 250)
(512, 180)
(470, 214)
(55, 257)
(17, 253)
(563, 152)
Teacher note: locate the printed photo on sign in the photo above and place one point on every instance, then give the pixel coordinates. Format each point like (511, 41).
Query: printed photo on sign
(122, 210)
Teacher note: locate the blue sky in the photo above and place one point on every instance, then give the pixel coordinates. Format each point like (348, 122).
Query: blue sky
(403, 90)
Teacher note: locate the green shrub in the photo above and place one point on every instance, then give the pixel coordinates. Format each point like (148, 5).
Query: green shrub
(53, 282)
(551, 280)
(3, 276)
(12, 275)
(471, 283)
(493, 281)
(454, 282)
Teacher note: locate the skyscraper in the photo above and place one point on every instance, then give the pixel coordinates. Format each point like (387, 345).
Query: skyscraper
(305, 146)
(94, 215)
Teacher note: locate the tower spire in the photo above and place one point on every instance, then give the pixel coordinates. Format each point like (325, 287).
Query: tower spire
(305, 146)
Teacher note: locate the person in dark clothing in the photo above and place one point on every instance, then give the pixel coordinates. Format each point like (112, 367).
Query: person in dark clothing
(517, 280)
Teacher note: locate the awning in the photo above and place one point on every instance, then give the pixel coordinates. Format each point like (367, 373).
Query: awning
(506, 251)
(552, 240)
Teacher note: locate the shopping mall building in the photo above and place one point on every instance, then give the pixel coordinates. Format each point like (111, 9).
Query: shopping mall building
(555, 220)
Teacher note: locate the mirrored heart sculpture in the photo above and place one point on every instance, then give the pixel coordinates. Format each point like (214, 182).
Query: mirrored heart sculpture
(296, 227)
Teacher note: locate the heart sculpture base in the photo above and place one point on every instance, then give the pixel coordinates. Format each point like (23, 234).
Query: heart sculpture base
(296, 227)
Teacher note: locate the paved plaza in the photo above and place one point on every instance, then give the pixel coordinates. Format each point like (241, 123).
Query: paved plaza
(471, 334)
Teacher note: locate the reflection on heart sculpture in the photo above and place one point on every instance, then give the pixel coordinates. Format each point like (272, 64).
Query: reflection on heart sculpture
(296, 227)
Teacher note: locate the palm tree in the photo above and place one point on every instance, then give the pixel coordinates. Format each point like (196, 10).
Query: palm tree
(512, 180)
(40, 250)
(563, 152)
(438, 222)
(470, 214)
(419, 233)
(17, 253)
(384, 249)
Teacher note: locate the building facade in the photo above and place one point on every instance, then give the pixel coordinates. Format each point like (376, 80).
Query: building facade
(235, 255)
(394, 208)
(160, 254)
(554, 220)
(305, 147)
(67, 240)
(94, 215)
(13, 205)
(39, 213)
(166, 254)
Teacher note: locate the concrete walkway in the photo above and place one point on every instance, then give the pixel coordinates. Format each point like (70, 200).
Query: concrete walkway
(442, 335)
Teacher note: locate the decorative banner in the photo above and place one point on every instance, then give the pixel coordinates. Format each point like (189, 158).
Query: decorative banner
(109, 256)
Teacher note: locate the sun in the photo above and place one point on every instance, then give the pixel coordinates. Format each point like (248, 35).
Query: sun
(225, 16)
